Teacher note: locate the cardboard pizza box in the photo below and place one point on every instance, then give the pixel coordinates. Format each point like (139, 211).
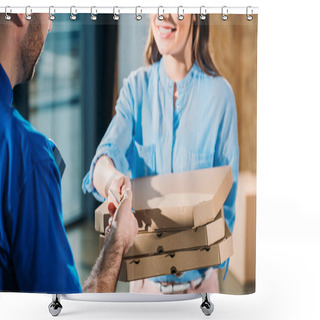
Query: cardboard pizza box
(101, 217)
(179, 261)
(153, 243)
(177, 200)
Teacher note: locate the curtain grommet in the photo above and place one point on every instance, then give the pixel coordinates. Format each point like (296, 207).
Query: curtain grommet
(160, 16)
(249, 17)
(52, 11)
(180, 13)
(28, 13)
(138, 13)
(93, 15)
(7, 12)
(224, 13)
(116, 16)
(203, 13)
(73, 13)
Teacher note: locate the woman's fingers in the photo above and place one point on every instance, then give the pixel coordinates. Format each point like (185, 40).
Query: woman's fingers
(119, 184)
(126, 184)
(127, 193)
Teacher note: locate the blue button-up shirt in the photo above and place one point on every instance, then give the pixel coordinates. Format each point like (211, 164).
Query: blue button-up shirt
(35, 255)
(151, 135)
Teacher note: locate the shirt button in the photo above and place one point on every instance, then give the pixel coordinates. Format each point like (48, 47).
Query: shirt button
(178, 107)
(181, 86)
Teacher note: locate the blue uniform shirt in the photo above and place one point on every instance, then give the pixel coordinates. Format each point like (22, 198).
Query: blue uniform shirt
(150, 135)
(35, 255)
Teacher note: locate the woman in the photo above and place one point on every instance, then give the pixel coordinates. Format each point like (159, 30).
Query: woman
(177, 114)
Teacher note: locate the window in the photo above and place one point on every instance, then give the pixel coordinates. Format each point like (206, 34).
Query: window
(55, 106)
(70, 99)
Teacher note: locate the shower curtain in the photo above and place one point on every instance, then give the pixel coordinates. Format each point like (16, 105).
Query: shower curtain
(154, 116)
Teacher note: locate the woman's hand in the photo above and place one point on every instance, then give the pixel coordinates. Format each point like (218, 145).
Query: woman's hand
(106, 176)
(119, 183)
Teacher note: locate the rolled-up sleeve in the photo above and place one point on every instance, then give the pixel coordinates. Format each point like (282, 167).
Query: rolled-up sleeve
(227, 153)
(116, 140)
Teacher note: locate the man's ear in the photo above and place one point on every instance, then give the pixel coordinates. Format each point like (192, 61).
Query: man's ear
(19, 19)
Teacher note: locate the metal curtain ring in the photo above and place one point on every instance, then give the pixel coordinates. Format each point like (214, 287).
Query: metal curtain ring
(160, 16)
(249, 17)
(138, 15)
(6, 14)
(73, 13)
(180, 13)
(28, 13)
(93, 15)
(203, 13)
(52, 11)
(224, 13)
(116, 16)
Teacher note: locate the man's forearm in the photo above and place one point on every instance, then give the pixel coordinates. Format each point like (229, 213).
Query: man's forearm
(105, 273)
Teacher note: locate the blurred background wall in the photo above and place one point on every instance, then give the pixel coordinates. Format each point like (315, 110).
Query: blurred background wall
(234, 48)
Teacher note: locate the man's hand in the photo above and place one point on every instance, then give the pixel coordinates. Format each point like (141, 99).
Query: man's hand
(125, 223)
(104, 274)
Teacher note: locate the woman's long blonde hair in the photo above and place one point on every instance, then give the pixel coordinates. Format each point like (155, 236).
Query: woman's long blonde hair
(200, 47)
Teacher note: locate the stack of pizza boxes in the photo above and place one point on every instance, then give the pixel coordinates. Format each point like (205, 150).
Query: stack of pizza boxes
(181, 223)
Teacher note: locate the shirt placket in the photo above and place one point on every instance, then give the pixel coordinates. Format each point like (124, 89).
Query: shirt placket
(176, 122)
(169, 134)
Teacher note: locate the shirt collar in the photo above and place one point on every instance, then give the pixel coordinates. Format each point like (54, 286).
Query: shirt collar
(6, 94)
(181, 84)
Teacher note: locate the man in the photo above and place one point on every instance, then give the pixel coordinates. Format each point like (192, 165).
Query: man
(35, 255)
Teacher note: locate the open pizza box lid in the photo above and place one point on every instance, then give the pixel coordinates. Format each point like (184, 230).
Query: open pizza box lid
(177, 200)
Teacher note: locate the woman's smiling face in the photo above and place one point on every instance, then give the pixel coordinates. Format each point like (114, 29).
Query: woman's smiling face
(172, 35)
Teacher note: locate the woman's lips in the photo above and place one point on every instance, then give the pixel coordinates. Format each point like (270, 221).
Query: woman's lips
(165, 32)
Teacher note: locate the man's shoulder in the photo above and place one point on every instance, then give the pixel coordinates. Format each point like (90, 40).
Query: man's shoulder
(24, 140)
